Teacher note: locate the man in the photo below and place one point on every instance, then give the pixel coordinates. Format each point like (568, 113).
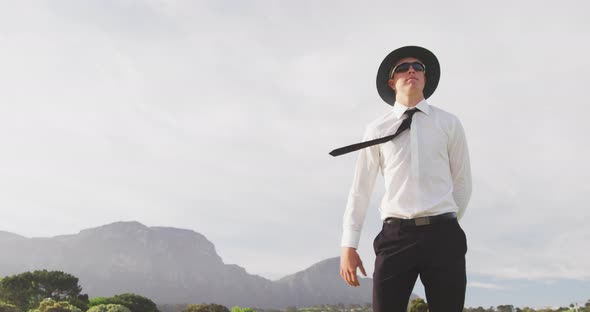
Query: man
(424, 161)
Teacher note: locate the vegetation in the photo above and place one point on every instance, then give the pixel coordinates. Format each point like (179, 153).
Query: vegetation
(206, 308)
(109, 308)
(27, 290)
(418, 305)
(7, 307)
(50, 305)
(56, 291)
(135, 303)
(503, 308)
(98, 301)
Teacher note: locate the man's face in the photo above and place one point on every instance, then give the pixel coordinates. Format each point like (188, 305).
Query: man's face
(408, 82)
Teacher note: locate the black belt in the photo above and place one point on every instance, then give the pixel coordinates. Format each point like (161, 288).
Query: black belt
(422, 220)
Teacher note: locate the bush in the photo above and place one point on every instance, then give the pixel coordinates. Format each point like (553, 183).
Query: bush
(238, 309)
(109, 308)
(135, 303)
(98, 301)
(50, 305)
(418, 305)
(7, 307)
(205, 308)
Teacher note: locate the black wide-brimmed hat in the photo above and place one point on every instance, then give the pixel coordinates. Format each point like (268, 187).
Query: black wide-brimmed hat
(426, 57)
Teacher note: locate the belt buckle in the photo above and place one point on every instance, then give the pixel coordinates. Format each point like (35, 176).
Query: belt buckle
(422, 221)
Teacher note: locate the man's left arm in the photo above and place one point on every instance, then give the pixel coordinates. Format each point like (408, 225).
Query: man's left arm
(460, 166)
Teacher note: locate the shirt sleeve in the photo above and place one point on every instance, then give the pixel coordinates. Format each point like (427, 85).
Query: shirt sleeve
(460, 167)
(366, 169)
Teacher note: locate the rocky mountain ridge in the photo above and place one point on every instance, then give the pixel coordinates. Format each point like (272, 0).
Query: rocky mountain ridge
(171, 266)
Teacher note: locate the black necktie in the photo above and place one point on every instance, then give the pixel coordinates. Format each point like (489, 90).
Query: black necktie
(406, 123)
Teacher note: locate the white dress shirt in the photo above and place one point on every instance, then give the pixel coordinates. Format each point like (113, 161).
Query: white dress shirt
(425, 169)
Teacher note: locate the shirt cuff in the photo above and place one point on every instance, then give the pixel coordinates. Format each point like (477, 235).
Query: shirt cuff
(350, 238)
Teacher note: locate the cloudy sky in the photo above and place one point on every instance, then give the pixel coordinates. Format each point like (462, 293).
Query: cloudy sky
(218, 116)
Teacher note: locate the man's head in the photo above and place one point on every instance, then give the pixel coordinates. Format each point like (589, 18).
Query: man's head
(397, 72)
(408, 77)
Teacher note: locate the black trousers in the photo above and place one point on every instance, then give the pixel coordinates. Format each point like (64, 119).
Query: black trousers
(436, 252)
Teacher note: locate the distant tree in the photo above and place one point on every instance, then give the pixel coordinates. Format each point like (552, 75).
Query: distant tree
(26, 290)
(17, 290)
(109, 308)
(56, 284)
(205, 308)
(505, 308)
(418, 305)
(50, 305)
(8, 307)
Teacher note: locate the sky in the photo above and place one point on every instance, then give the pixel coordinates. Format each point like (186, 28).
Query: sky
(218, 116)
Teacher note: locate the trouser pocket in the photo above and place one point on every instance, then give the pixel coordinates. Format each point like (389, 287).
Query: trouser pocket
(387, 238)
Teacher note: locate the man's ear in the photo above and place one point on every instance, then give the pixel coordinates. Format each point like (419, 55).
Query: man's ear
(391, 84)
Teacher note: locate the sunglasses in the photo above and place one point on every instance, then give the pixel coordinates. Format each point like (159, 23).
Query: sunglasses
(404, 67)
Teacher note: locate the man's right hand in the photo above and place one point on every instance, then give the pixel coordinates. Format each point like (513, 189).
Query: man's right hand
(349, 261)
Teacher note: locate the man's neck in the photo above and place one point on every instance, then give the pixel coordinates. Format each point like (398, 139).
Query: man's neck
(409, 100)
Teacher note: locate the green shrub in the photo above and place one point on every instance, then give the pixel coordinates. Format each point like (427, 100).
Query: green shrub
(50, 305)
(239, 309)
(205, 308)
(135, 303)
(109, 308)
(7, 307)
(98, 301)
(418, 305)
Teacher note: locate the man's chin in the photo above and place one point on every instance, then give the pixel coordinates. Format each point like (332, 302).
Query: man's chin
(414, 89)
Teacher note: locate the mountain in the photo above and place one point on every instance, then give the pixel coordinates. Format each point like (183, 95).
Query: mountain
(171, 266)
(321, 283)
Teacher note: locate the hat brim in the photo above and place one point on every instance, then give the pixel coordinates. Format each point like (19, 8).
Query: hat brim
(425, 56)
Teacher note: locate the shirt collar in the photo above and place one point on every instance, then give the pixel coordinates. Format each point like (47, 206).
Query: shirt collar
(399, 109)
